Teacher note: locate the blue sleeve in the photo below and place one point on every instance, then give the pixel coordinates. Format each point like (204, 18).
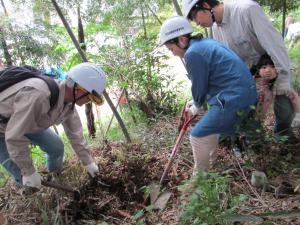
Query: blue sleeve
(198, 70)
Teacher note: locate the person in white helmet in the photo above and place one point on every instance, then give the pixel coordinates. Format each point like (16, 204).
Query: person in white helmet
(27, 108)
(219, 77)
(243, 26)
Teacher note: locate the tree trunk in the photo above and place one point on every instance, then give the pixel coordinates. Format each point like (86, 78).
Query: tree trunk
(16, 44)
(7, 56)
(84, 58)
(90, 119)
(149, 96)
(154, 14)
(130, 107)
(89, 106)
(283, 17)
(177, 7)
(4, 8)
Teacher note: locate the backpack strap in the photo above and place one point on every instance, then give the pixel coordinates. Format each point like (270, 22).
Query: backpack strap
(53, 87)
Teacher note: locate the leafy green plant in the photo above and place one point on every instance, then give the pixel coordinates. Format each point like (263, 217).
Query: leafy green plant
(4, 176)
(209, 200)
(38, 156)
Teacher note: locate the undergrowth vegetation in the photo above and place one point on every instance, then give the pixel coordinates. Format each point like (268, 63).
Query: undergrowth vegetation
(209, 200)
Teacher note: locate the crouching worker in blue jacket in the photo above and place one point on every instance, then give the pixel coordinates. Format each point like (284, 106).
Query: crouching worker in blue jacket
(219, 77)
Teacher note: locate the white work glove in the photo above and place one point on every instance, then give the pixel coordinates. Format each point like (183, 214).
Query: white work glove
(34, 180)
(296, 121)
(92, 169)
(282, 85)
(192, 109)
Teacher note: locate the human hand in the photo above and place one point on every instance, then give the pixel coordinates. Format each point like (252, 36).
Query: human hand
(282, 86)
(34, 180)
(192, 109)
(92, 169)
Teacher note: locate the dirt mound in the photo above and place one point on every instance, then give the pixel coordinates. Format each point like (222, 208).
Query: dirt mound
(117, 188)
(119, 191)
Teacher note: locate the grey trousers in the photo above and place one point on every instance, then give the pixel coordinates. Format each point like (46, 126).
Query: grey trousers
(284, 113)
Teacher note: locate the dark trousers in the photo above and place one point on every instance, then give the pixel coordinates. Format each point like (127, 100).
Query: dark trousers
(284, 113)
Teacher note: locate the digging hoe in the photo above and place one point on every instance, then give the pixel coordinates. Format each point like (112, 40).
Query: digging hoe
(65, 188)
(155, 189)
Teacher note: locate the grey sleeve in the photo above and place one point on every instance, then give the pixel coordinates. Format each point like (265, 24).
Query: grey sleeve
(29, 106)
(270, 39)
(73, 128)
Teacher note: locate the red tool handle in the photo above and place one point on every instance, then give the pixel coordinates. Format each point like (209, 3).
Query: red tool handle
(175, 148)
(182, 131)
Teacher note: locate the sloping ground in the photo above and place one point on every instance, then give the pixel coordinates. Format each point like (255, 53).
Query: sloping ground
(128, 170)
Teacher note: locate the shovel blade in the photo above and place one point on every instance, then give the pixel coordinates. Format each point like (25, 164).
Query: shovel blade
(162, 200)
(154, 192)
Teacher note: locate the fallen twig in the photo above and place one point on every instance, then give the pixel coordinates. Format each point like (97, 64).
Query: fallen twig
(123, 213)
(250, 186)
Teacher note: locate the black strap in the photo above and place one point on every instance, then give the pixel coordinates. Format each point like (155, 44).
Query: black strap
(3, 119)
(53, 87)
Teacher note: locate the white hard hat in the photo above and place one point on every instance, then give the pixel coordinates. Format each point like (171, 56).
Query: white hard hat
(174, 27)
(187, 5)
(89, 76)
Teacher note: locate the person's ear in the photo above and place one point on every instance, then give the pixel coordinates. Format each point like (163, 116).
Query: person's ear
(206, 5)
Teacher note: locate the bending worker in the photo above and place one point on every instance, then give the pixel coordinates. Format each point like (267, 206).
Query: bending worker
(29, 116)
(243, 26)
(219, 77)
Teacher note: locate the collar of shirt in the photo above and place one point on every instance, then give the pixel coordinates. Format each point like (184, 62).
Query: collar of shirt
(226, 16)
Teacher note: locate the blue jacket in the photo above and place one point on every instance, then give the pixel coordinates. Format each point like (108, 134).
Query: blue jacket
(219, 76)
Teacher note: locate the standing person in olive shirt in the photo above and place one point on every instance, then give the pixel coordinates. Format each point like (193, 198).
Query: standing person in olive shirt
(243, 26)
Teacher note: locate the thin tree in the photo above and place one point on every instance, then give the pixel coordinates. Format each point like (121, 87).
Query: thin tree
(7, 56)
(84, 58)
(283, 17)
(177, 8)
(89, 106)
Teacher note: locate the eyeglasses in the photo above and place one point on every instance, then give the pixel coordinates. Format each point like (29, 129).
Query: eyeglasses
(94, 96)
